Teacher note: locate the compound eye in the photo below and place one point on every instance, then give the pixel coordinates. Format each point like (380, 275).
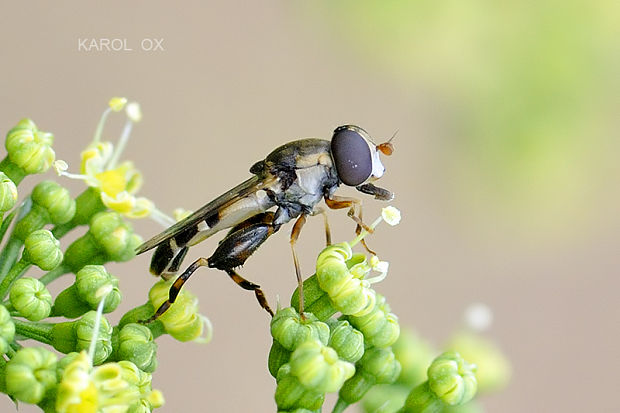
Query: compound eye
(351, 154)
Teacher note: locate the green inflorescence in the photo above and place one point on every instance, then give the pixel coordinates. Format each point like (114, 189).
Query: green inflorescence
(101, 367)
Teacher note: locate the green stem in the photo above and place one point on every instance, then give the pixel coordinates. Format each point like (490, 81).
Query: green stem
(57, 272)
(6, 222)
(16, 272)
(87, 204)
(8, 257)
(2, 375)
(14, 172)
(41, 332)
(340, 406)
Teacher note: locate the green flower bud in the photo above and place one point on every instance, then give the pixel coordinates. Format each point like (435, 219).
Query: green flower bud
(452, 379)
(84, 333)
(51, 204)
(350, 294)
(93, 282)
(377, 366)
(31, 298)
(493, 369)
(318, 367)
(69, 304)
(290, 330)
(30, 148)
(77, 335)
(149, 399)
(278, 356)
(316, 301)
(56, 200)
(135, 344)
(8, 193)
(7, 330)
(182, 320)
(114, 235)
(109, 238)
(381, 364)
(43, 250)
(380, 327)
(30, 374)
(347, 341)
(291, 394)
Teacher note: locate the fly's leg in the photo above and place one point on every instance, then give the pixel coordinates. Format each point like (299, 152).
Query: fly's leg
(358, 230)
(232, 252)
(175, 289)
(328, 233)
(294, 236)
(241, 242)
(338, 202)
(249, 285)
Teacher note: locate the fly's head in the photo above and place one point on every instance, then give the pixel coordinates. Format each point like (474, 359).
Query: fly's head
(357, 159)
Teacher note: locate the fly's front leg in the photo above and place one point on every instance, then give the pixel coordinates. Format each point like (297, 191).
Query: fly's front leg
(338, 202)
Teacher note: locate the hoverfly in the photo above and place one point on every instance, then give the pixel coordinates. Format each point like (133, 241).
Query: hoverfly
(288, 184)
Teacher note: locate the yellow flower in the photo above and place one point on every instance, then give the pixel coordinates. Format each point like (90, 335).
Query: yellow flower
(111, 387)
(118, 182)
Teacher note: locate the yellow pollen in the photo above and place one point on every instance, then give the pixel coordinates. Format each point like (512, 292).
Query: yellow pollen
(112, 182)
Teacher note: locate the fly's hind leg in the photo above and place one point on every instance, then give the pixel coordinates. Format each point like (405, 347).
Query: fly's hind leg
(175, 289)
(241, 242)
(232, 252)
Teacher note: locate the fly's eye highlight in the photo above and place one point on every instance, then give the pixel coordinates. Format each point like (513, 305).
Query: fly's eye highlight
(351, 154)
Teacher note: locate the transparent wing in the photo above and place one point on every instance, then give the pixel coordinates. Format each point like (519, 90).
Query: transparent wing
(245, 188)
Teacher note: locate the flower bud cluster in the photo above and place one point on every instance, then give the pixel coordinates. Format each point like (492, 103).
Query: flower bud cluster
(305, 359)
(34, 229)
(365, 332)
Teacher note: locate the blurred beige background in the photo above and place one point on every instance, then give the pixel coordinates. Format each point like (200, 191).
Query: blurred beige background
(528, 225)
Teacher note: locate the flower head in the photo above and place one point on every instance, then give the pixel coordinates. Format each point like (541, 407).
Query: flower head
(111, 387)
(101, 168)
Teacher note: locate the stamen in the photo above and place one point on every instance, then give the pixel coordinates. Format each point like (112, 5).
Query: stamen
(162, 218)
(93, 342)
(122, 142)
(99, 129)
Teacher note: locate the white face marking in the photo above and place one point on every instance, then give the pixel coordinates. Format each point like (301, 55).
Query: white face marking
(377, 167)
